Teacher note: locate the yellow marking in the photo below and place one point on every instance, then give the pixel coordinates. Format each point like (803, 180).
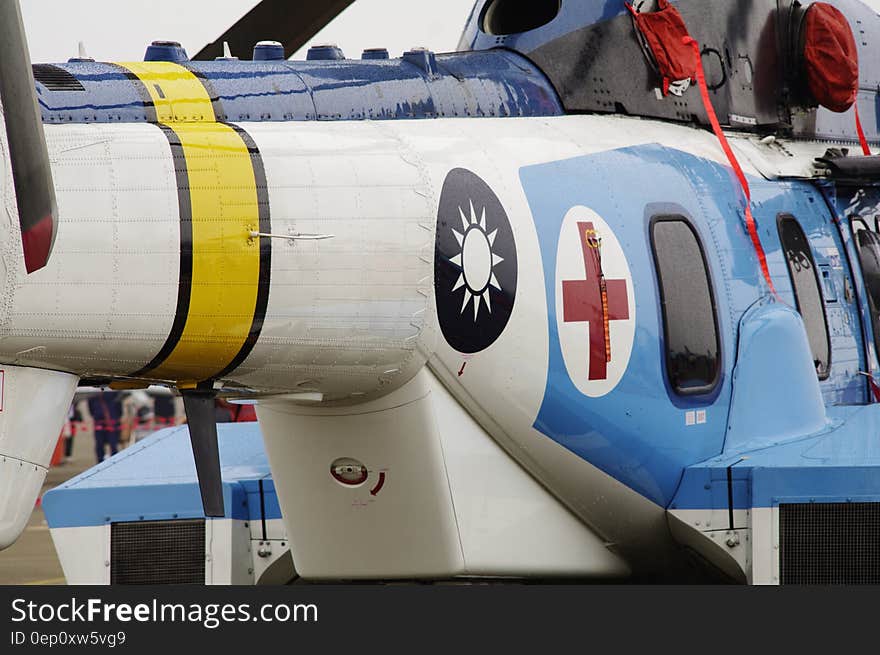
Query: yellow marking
(129, 385)
(224, 203)
(225, 261)
(591, 239)
(179, 96)
(49, 581)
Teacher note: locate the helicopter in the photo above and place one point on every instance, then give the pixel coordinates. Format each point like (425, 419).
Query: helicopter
(594, 296)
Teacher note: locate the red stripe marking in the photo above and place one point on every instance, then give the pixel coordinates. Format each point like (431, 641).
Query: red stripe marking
(381, 483)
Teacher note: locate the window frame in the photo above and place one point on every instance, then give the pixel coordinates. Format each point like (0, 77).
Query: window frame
(867, 308)
(780, 219)
(492, 5)
(712, 386)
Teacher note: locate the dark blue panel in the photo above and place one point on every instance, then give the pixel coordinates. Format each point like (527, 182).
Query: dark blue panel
(245, 91)
(471, 84)
(572, 16)
(109, 96)
(374, 89)
(497, 83)
(269, 503)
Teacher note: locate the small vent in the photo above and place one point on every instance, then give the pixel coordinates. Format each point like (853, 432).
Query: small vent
(56, 79)
(829, 543)
(158, 552)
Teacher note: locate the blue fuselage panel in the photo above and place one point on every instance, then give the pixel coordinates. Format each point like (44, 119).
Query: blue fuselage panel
(642, 432)
(497, 83)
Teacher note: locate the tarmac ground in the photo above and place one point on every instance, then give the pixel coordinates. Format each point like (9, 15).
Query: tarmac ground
(32, 559)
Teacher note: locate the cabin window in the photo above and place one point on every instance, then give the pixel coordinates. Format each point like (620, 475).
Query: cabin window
(868, 243)
(689, 315)
(516, 16)
(807, 293)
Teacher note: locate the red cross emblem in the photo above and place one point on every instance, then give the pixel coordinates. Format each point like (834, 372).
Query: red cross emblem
(596, 301)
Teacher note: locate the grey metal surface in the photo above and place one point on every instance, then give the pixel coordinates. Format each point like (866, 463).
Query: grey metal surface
(24, 127)
(203, 434)
(829, 543)
(158, 552)
(602, 67)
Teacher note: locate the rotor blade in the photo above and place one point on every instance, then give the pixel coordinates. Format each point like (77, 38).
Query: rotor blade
(199, 406)
(290, 23)
(31, 173)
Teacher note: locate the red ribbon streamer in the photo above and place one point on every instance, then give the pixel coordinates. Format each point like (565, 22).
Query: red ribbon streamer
(875, 388)
(866, 150)
(719, 133)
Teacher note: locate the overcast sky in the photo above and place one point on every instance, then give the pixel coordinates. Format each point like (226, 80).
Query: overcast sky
(119, 30)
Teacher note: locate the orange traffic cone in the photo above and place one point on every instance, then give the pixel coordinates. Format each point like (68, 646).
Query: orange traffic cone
(58, 455)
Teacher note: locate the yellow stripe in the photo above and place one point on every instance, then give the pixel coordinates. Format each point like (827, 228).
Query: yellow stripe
(226, 262)
(178, 95)
(49, 581)
(224, 205)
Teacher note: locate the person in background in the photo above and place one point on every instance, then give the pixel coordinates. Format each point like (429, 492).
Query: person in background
(70, 427)
(164, 410)
(223, 411)
(106, 411)
(227, 412)
(137, 415)
(244, 413)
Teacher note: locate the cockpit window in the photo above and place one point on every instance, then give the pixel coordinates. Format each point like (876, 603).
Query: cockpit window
(515, 16)
(807, 293)
(689, 317)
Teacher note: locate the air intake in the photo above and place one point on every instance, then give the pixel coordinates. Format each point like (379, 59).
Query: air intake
(55, 78)
(829, 543)
(158, 552)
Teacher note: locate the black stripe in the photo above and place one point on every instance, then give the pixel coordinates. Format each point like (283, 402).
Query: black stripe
(263, 510)
(186, 237)
(730, 493)
(265, 252)
(730, 498)
(216, 104)
(152, 115)
(184, 289)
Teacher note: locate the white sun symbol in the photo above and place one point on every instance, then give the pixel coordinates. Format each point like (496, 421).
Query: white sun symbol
(476, 261)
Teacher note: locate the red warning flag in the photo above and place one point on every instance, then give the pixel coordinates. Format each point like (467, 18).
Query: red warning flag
(663, 31)
(831, 62)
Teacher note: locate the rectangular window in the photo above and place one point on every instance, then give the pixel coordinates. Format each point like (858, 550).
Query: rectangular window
(689, 317)
(807, 292)
(868, 244)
